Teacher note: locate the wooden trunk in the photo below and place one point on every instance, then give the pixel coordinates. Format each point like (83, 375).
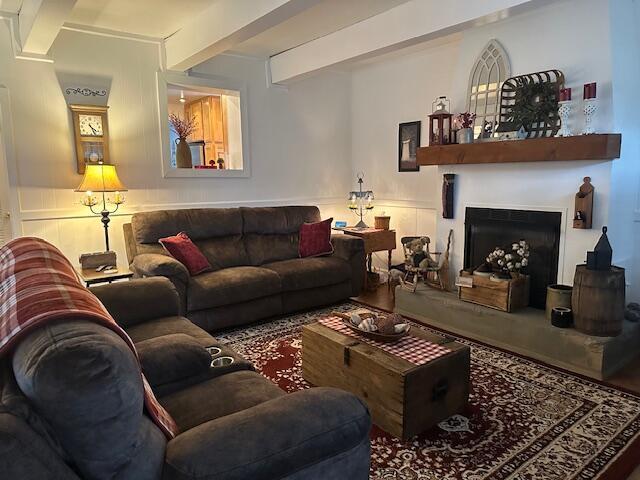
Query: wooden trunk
(404, 399)
(508, 295)
(598, 301)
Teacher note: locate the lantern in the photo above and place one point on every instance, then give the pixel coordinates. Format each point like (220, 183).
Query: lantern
(440, 122)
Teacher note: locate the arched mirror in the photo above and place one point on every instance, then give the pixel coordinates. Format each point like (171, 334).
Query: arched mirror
(488, 74)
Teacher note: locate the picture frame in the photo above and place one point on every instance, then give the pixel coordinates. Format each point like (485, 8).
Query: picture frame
(408, 143)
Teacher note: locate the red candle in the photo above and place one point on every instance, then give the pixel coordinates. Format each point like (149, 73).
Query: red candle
(589, 91)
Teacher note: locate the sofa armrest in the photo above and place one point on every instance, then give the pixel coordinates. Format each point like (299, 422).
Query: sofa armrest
(351, 249)
(273, 439)
(139, 300)
(155, 264)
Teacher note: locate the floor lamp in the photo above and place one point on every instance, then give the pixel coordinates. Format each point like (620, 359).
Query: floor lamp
(102, 179)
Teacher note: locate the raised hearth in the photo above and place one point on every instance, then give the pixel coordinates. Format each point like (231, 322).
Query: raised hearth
(526, 332)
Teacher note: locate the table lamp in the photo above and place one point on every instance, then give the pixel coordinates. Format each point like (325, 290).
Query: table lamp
(100, 178)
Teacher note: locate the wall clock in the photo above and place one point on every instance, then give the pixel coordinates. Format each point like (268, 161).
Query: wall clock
(91, 130)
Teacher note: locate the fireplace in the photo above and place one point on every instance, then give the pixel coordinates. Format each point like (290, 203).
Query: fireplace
(487, 228)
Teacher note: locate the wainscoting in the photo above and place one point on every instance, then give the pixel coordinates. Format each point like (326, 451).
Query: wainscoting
(76, 232)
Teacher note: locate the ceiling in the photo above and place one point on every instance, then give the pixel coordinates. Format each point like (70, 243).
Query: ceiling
(154, 18)
(11, 6)
(174, 93)
(162, 18)
(327, 17)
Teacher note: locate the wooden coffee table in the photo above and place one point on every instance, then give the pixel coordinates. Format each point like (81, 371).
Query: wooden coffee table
(404, 399)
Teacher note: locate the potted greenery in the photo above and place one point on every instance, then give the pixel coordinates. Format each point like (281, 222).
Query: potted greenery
(183, 128)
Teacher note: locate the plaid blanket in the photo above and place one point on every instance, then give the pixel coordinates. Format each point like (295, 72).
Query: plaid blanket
(39, 285)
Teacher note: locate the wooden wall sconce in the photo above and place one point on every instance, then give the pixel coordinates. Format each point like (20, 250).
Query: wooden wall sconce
(448, 181)
(583, 214)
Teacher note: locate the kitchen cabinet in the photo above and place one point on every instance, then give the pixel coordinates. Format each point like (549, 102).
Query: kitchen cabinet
(209, 115)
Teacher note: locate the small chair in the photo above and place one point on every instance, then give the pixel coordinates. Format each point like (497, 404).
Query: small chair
(436, 275)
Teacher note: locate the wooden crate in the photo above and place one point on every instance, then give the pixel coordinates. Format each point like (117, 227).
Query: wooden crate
(404, 399)
(506, 296)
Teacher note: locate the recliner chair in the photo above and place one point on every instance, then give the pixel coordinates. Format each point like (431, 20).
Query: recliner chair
(71, 405)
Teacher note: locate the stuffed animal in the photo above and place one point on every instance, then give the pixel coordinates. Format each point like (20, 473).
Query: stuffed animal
(420, 255)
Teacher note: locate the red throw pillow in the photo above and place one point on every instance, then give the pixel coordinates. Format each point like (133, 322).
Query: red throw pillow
(315, 239)
(186, 252)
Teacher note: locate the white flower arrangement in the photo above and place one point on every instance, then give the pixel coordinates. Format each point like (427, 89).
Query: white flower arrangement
(512, 262)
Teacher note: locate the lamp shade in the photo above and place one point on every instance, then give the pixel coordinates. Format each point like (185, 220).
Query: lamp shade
(100, 178)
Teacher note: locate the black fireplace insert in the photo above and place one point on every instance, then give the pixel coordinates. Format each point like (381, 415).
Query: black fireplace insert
(488, 228)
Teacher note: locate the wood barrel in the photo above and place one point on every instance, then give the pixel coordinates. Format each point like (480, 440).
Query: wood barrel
(598, 301)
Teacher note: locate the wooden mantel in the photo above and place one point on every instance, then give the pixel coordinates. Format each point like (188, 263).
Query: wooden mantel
(549, 149)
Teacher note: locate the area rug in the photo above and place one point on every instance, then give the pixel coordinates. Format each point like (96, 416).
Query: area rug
(524, 420)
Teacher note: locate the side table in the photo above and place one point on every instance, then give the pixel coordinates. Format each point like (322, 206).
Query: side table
(90, 277)
(375, 240)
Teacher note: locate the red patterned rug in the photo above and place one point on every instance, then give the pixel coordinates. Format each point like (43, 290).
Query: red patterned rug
(524, 420)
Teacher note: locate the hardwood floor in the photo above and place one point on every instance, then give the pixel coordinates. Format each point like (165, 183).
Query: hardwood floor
(628, 378)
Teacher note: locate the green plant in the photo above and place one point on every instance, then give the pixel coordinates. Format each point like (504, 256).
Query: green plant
(534, 102)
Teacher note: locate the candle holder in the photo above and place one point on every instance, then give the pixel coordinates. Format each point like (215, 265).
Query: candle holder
(589, 107)
(564, 111)
(361, 201)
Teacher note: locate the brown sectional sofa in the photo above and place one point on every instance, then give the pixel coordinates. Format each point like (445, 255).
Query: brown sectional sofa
(71, 405)
(254, 254)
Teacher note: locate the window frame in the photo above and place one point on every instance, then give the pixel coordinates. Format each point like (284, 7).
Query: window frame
(194, 81)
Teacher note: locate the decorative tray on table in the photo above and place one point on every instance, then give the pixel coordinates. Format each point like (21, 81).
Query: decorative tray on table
(383, 328)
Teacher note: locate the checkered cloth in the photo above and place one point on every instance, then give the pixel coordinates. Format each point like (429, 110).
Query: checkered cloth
(39, 285)
(412, 349)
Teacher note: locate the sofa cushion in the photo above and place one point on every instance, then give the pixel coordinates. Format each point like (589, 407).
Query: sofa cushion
(237, 314)
(85, 381)
(26, 455)
(198, 223)
(277, 220)
(167, 326)
(263, 249)
(218, 397)
(173, 357)
(231, 285)
(186, 252)
(224, 252)
(303, 273)
(276, 439)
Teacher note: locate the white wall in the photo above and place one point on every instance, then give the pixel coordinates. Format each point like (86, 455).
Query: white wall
(300, 147)
(234, 131)
(572, 36)
(624, 211)
(385, 94)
